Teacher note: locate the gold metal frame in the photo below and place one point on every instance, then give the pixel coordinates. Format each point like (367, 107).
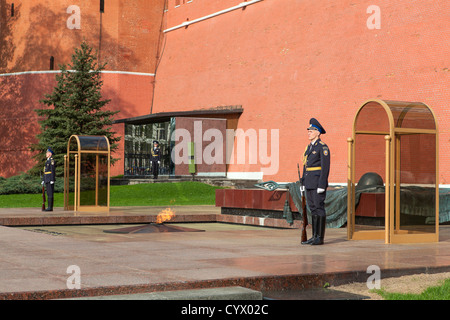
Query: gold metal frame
(77, 206)
(392, 194)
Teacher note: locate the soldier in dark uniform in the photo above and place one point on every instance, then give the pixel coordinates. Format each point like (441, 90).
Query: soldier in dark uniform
(49, 178)
(155, 159)
(316, 167)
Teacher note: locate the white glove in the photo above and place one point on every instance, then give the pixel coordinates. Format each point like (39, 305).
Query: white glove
(320, 190)
(42, 182)
(52, 182)
(302, 188)
(159, 162)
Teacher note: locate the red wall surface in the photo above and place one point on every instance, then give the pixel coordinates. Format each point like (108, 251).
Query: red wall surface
(288, 61)
(126, 36)
(283, 61)
(20, 95)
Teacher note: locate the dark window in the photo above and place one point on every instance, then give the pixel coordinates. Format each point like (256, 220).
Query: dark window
(138, 145)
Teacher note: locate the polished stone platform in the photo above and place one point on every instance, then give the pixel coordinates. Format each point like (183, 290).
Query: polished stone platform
(34, 216)
(119, 215)
(36, 258)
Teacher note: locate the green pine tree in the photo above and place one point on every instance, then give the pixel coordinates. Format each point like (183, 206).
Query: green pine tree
(75, 108)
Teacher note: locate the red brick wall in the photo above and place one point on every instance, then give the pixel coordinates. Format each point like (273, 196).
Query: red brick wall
(20, 95)
(18, 121)
(126, 35)
(283, 61)
(288, 61)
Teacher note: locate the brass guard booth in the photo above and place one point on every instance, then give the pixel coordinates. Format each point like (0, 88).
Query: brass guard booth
(399, 141)
(87, 174)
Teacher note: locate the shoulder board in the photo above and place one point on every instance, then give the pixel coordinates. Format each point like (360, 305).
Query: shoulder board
(321, 143)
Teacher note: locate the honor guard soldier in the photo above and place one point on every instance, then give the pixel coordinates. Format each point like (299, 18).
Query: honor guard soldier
(155, 159)
(49, 178)
(316, 167)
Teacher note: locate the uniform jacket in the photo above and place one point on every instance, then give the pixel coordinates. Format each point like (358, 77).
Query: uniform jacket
(49, 170)
(156, 154)
(316, 165)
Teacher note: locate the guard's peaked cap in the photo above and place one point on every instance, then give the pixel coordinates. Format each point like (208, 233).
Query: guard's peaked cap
(315, 125)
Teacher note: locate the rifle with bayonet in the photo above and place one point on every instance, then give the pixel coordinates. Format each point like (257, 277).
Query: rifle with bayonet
(304, 213)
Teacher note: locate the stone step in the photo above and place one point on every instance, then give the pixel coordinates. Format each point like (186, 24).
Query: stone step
(225, 293)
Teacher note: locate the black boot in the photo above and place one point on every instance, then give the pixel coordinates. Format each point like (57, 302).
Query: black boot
(50, 204)
(314, 230)
(318, 240)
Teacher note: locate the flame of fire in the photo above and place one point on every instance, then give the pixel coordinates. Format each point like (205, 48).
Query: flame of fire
(165, 215)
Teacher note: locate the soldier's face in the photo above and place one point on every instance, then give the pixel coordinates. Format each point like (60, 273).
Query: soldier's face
(313, 134)
(48, 154)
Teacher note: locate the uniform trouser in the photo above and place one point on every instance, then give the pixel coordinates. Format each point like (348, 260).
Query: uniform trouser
(50, 190)
(155, 168)
(316, 202)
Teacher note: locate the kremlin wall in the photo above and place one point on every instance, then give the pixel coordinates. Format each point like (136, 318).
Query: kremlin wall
(278, 62)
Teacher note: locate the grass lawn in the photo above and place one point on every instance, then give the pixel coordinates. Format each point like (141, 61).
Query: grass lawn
(148, 194)
(441, 292)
